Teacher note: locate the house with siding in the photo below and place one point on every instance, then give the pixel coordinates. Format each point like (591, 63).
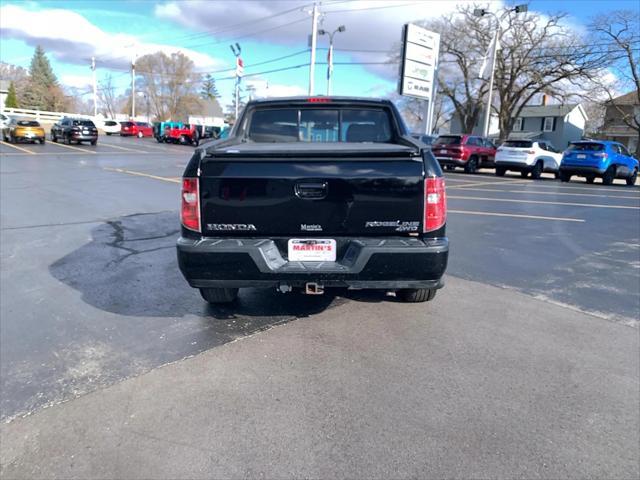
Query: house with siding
(558, 124)
(619, 113)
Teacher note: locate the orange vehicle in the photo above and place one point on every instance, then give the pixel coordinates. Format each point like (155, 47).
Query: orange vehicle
(23, 130)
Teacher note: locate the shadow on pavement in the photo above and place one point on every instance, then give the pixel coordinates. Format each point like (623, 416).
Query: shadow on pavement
(129, 268)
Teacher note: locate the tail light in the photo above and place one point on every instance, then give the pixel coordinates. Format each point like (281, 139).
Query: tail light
(435, 204)
(190, 211)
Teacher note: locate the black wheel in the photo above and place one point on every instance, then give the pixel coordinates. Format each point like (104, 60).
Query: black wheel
(609, 175)
(54, 139)
(631, 180)
(94, 142)
(565, 177)
(108, 134)
(500, 171)
(42, 140)
(590, 178)
(219, 295)
(159, 139)
(415, 295)
(557, 175)
(536, 172)
(471, 166)
(524, 173)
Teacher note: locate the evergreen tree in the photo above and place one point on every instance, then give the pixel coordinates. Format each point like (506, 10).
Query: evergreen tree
(43, 91)
(209, 90)
(11, 100)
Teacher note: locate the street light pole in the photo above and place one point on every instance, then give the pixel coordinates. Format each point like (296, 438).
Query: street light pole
(341, 28)
(481, 12)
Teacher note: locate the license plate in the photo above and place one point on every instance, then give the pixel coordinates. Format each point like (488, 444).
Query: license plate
(85, 132)
(581, 155)
(28, 135)
(312, 250)
(443, 151)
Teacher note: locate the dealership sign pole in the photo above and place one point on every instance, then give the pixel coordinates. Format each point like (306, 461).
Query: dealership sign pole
(420, 49)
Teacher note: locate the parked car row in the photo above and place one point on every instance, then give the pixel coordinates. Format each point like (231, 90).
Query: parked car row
(590, 159)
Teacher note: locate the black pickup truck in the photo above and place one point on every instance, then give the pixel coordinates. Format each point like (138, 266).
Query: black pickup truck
(314, 192)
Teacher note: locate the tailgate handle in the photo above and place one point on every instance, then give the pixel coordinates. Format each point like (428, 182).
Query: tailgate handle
(311, 190)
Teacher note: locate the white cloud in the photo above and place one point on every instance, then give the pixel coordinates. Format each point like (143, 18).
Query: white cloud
(71, 38)
(76, 81)
(370, 24)
(265, 89)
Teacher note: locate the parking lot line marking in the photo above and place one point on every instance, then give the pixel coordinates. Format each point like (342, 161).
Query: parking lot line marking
(480, 184)
(17, 147)
(515, 215)
(534, 192)
(72, 148)
(141, 174)
(103, 144)
(598, 187)
(571, 204)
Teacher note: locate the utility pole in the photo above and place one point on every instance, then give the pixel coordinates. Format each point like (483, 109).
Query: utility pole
(133, 86)
(239, 71)
(95, 90)
(314, 39)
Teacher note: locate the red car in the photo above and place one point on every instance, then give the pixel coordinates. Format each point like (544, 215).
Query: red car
(138, 129)
(467, 151)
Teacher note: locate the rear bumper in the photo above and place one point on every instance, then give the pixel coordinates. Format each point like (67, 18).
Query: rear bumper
(582, 170)
(389, 263)
(458, 162)
(517, 166)
(84, 137)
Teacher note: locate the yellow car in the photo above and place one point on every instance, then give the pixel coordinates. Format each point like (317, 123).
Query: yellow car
(23, 130)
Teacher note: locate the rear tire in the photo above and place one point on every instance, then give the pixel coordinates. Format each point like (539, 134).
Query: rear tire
(565, 177)
(500, 171)
(524, 173)
(609, 176)
(631, 180)
(536, 172)
(590, 178)
(94, 142)
(416, 295)
(219, 295)
(42, 140)
(471, 166)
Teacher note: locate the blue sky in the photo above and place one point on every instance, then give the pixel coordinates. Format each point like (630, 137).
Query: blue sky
(72, 31)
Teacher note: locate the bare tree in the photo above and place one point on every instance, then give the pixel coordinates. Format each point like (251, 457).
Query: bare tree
(107, 96)
(619, 32)
(538, 55)
(170, 83)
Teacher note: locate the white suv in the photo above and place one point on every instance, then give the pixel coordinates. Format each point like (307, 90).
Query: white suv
(527, 156)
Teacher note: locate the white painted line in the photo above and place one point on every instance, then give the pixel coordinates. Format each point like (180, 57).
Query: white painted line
(17, 148)
(103, 144)
(480, 184)
(141, 174)
(534, 192)
(591, 205)
(72, 148)
(514, 215)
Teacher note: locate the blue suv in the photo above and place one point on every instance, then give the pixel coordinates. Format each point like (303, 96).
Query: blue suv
(598, 158)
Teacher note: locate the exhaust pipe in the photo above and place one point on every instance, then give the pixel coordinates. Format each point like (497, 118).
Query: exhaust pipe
(313, 289)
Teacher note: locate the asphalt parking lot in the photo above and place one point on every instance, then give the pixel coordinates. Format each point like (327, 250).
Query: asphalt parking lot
(525, 365)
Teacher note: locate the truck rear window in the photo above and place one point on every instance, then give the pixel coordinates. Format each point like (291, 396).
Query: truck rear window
(586, 147)
(448, 140)
(319, 125)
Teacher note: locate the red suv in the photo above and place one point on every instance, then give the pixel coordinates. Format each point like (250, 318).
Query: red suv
(138, 129)
(467, 151)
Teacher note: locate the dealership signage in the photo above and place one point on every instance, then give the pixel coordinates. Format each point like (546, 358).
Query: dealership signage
(419, 60)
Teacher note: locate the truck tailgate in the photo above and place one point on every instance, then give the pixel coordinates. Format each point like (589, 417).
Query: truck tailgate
(257, 194)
